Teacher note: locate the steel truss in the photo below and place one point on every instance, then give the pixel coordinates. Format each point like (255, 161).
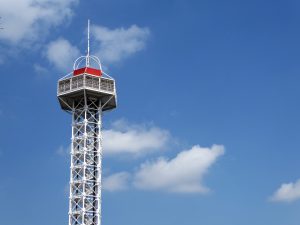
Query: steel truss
(86, 162)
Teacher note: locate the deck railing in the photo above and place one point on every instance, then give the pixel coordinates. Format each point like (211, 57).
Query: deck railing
(85, 81)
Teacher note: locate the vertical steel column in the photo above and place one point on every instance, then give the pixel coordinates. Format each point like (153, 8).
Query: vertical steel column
(100, 161)
(86, 156)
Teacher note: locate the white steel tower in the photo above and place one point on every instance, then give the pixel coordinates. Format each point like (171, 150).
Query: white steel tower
(86, 93)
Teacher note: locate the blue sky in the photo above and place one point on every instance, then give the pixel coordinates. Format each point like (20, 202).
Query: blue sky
(207, 126)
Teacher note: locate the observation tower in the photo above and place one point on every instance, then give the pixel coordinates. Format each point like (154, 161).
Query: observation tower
(86, 93)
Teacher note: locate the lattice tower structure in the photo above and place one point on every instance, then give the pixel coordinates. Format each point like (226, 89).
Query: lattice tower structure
(86, 93)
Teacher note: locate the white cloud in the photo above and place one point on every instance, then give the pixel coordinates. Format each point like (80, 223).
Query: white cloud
(111, 45)
(26, 21)
(134, 139)
(116, 182)
(288, 192)
(63, 151)
(131, 139)
(183, 174)
(41, 71)
(62, 54)
(117, 44)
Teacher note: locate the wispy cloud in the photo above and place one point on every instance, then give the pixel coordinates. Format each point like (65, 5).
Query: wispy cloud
(116, 182)
(61, 53)
(114, 45)
(27, 24)
(134, 139)
(182, 174)
(41, 71)
(124, 138)
(110, 45)
(287, 192)
(28, 21)
(63, 151)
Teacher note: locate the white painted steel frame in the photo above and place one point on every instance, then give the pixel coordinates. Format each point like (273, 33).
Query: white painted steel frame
(86, 162)
(86, 81)
(86, 150)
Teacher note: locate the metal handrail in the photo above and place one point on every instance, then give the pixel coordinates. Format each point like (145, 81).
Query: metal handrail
(86, 81)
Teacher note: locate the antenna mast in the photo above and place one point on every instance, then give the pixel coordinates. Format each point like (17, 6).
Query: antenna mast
(88, 47)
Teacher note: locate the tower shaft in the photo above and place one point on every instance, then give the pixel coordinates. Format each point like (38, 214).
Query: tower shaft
(86, 162)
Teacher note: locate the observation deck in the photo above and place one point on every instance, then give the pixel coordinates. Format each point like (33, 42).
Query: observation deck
(87, 82)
